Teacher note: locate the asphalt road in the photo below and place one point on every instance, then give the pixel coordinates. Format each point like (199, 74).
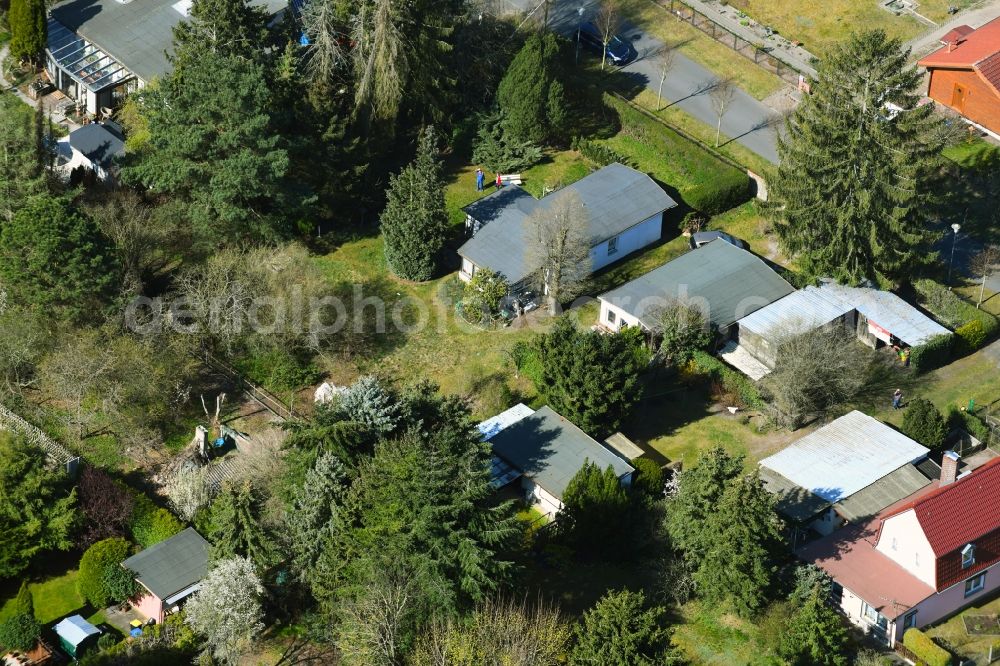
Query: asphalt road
(687, 86)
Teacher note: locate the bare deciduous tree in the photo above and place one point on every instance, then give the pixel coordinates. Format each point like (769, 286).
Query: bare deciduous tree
(559, 249)
(683, 327)
(326, 55)
(139, 239)
(985, 263)
(379, 59)
(608, 20)
(722, 93)
(372, 622)
(664, 62)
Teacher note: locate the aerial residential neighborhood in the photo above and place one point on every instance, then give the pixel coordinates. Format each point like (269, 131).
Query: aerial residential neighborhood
(500, 332)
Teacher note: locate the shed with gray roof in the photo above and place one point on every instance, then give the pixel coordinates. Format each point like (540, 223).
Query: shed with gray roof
(549, 450)
(624, 210)
(170, 570)
(727, 282)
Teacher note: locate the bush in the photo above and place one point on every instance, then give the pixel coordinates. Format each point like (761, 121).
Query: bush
(106, 642)
(958, 314)
(972, 424)
(725, 193)
(924, 423)
(150, 524)
(971, 336)
(921, 645)
(527, 361)
(598, 152)
(731, 380)
(102, 578)
(20, 630)
(934, 353)
(279, 369)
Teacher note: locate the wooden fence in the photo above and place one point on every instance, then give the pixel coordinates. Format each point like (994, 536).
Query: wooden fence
(55, 452)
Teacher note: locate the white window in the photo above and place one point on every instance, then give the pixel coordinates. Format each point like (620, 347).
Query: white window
(975, 584)
(968, 556)
(613, 246)
(611, 316)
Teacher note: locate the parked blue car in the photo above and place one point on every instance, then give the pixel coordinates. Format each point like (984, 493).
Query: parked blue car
(620, 51)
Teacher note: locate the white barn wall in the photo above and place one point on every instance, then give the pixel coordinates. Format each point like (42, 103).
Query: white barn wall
(620, 317)
(635, 238)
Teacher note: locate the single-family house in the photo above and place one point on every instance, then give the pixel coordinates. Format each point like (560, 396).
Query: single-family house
(964, 74)
(543, 451)
(725, 281)
(100, 50)
(846, 471)
(169, 572)
(95, 147)
(75, 635)
(923, 558)
(624, 209)
(877, 317)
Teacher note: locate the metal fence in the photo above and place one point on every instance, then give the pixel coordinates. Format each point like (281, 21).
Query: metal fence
(56, 453)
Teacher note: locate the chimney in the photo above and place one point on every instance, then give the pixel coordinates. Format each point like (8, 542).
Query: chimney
(949, 467)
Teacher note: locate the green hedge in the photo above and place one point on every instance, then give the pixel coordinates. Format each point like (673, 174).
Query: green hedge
(932, 354)
(970, 423)
(731, 380)
(598, 152)
(958, 315)
(921, 645)
(725, 193)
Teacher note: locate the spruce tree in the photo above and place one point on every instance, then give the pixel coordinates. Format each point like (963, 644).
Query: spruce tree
(816, 635)
(20, 630)
(25, 154)
(595, 517)
(28, 29)
(855, 193)
(236, 529)
(742, 539)
(621, 631)
(414, 222)
(700, 488)
(226, 27)
(530, 96)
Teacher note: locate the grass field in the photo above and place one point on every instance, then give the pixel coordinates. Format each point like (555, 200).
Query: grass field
(54, 598)
(974, 648)
(701, 48)
(821, 24)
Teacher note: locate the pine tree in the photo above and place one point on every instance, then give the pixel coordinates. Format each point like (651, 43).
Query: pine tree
(236, 529)
(855, 192)
(24, 154)
(590, 378)
(816, 635)
(595, 518)
(530, 96)
(620, 631)
(226, 27)
(20, 630)
(700, 489)
(316, 510)
(414, 222)
(742, 538)
(28, 29)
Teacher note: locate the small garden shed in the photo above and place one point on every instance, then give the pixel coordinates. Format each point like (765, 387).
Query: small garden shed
(76, 635)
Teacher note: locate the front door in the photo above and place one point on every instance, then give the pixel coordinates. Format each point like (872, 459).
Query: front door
(958, 97)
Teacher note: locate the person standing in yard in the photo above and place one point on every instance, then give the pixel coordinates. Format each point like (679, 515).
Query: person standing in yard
(480, 179)
(897, 399)
(499, 181)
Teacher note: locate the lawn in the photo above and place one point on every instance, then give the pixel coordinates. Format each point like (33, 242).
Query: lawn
(711, 637)
(54, 598)
(726, 63)
(748, 223)
(960, 642)
(819, 24)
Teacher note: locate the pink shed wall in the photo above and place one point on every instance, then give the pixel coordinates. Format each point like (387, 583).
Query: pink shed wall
(902, 540)
(150, 606)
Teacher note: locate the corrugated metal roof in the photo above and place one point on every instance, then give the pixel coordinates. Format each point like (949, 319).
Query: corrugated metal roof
(725, 280)
(800, 311)
(615, 198)
(890, 312)
(550, 450)
(844, 456)
(169, 566)
(792, 501)
(867, 502)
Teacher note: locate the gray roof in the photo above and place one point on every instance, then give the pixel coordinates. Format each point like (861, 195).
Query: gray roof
(550, 450)
(730, 282)
(844, 456)
(616, 198)
(172, 565)
(888, 490)
(792, 501)
(100, 143)
(138, 33)
(814, 306)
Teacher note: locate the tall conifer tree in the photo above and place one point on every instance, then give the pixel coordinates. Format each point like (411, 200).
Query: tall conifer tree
(28, 29)
(855, 191)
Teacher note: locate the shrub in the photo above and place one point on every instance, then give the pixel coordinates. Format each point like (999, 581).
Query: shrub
(20, 630)
(932, 354)
(150, 524)
(921, 645)
(598, 152)
(106, 642)
(958, 314)
(527, 361)
(971, 336)
(280, 369)
(102, 579)
(924, 423)
(972, 424)
(731, 380)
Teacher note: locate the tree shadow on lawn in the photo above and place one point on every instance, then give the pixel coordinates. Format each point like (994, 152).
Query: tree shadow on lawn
(666, 406)
(971, 196)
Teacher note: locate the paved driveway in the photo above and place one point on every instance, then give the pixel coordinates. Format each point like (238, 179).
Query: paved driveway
(747, 121)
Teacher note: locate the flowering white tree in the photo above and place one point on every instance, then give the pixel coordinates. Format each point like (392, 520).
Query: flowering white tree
(227, 609)
(188, 490)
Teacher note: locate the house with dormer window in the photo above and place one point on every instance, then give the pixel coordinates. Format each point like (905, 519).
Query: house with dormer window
(922, 559)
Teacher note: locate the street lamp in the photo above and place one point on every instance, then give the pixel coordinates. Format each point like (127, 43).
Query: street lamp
(579, 27)
(955, 227)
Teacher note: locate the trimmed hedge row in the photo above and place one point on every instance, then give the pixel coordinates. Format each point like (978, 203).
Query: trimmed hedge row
(932, 354)
(921, 645)
(970, 423)
(973, 327)
(732, 380)
(598, 152)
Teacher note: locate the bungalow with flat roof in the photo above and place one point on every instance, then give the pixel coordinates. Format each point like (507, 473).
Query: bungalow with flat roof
(921, 559)
(846, 471)
(169, 572)
(725, 281)
(624, 209)
(544, 451)
(100, 50)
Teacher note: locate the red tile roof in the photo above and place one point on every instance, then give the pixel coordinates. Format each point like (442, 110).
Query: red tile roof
(977, 46)
(989, 69)
(957, 34)
(961, 512)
